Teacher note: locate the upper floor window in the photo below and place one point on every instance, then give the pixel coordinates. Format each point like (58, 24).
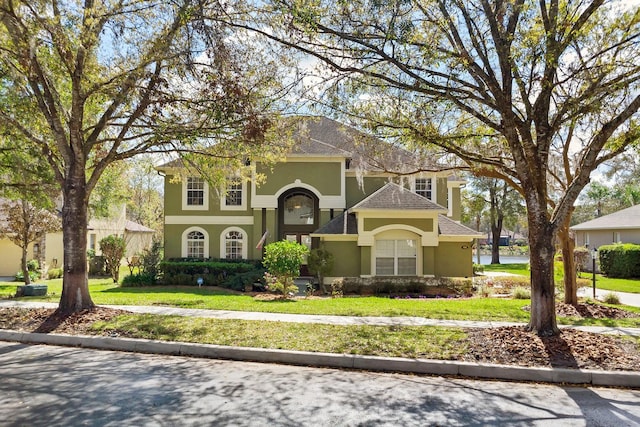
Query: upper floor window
(235, 196)
(195, 195)
(234, 193)
(423, 187)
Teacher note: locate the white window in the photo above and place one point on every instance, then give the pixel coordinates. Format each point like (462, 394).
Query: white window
(396, 257)
(195, 243)
(423, 187)
(195, 194)
(233, 243)
(235, 195)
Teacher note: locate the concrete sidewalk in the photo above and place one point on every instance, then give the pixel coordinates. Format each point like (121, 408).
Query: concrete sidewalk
(330, 360)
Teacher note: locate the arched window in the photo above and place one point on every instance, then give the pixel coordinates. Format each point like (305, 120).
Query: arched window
(195, 243)
(233, 244)
(299, 209)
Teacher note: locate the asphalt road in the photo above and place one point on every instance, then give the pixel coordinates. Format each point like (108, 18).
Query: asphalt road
(59, 386)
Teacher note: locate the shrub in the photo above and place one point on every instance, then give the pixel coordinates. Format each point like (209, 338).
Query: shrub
(521, 293)
(478, 268)
(213, 273)
(113, 249)
(336, 288)
(320, 262)
(151, 258)
(138, 280)
(54, 273)
(283, 260)
(620, 260)
(611, 298)
(407, 286)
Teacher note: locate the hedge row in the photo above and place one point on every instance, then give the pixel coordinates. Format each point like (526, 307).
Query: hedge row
(230, 274)
(620, 260)
(402, 286)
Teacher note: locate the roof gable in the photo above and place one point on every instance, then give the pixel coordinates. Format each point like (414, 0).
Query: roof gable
(395, 197)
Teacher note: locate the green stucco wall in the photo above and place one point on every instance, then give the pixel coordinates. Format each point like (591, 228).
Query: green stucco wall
(325, 177)
(346, 256)
(442, 192)
(173, 202)
(419, 223)
(365, 260)
(456, 213)
(429, 260)
(173, 239)
(453, 259)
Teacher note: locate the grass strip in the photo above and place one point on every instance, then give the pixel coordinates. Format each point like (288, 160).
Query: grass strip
(391, 341)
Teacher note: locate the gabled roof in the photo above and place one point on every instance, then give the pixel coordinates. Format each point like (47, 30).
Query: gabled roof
(449, 227)
(395, 197)
(626, 218)
(324, 137)
(446, 226)
(337, 225)
(134, 227)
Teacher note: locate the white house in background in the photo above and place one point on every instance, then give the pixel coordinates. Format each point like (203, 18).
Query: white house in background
(137, 236)
(619, 227)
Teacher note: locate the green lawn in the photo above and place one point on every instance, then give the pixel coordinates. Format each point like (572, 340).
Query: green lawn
(391, 341)
(602, 282)
(517, 268)
(104, 292)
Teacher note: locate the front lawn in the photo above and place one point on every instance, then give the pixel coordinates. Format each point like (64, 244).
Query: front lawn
(104, 292)
(602, 282)
(389, 341)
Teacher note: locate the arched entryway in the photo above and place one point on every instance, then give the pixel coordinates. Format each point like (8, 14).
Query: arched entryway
(298, 216)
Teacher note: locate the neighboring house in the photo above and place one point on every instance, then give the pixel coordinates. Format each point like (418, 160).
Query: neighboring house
(622, 226)
(137, 237)
(332, 191)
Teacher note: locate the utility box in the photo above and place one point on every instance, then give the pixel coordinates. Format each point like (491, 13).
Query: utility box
(32, 290)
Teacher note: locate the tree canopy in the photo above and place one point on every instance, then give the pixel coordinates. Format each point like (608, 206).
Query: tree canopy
(536, 93)
(90, 83)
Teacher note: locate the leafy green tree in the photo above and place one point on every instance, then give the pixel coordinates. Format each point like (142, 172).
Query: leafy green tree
(27, 224)
(113, 249)
(89, 84)
(283, 260)
(320, 262)
(538, 94)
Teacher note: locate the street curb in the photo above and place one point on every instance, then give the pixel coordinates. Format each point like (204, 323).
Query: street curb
(330, 360)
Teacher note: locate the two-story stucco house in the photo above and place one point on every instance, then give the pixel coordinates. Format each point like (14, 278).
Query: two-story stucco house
(334, 190)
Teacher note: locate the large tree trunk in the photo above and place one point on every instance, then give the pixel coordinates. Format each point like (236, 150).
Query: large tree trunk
(543, 307)
(23, 264)
(568, 244)
(75, 284)
(496, 231)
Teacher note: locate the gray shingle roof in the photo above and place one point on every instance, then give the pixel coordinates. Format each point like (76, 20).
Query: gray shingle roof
(337, 225)
(626, 218)
(394, 196)
(449, 227)
(135, 227)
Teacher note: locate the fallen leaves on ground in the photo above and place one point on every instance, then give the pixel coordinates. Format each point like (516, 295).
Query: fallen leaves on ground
(507, 345)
